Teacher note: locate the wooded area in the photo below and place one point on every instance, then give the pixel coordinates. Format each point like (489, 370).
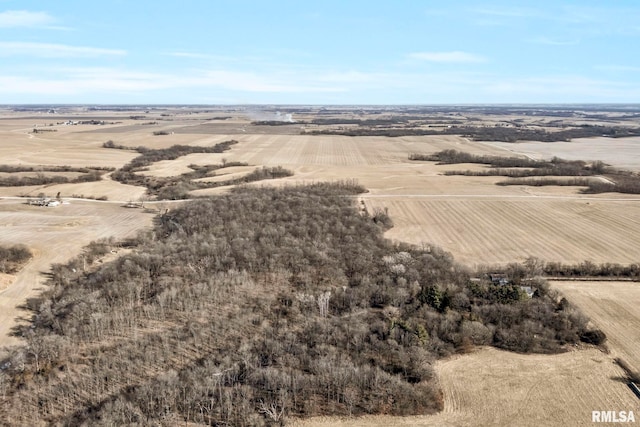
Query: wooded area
(259, 305)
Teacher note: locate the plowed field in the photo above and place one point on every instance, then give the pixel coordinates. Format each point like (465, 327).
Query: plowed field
(612, 307)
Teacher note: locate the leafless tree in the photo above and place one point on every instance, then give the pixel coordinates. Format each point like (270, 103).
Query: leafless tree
(323, 303)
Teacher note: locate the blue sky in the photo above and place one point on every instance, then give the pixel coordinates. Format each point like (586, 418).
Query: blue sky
(319, 52)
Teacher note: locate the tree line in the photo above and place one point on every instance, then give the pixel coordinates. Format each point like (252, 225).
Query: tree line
(179, 187)
(489, 133)
(41, 177)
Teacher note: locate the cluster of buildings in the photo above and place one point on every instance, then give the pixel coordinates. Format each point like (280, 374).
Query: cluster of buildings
(44, 201)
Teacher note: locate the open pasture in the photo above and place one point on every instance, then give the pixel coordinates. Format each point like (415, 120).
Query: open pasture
(68, 145)
(167, 168)
(106, 187)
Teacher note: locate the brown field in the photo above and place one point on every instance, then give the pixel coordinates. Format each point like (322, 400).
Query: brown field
(489, 230)
(477, 221)
(68, 175)
(496, 388)
(227, 174)
(622, 153)
(112, 190)
(165, 168)
(612, 307)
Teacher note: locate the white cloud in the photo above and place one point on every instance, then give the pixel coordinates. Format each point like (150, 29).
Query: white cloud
(447, 57)
(112, 84)
(49, 50)
(569, 88)
(189, 55)
(24, 18)
(553, 42)
(507, 12)
(82, 82)
(252, 82)
(618, 68)
(96, 80)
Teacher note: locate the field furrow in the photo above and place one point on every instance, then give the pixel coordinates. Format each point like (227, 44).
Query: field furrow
(612, 307)
(490, 230)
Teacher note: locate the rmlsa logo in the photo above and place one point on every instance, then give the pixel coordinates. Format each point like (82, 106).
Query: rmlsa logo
(613, 417)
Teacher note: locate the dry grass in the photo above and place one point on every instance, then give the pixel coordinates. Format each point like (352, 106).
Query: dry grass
(6, 280)
(112, 190)
(166, 168)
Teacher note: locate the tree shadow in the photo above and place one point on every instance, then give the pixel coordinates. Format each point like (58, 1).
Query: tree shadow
(27, 321)
(620, 379)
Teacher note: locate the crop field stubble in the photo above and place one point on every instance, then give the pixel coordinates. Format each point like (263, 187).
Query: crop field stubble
(613, 307)
(492, 230)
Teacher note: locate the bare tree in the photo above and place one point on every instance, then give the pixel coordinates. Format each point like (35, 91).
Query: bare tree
(274, 411)
(323, 303)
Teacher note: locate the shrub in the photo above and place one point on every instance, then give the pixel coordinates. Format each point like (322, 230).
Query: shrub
(12, 258)
(594, 337)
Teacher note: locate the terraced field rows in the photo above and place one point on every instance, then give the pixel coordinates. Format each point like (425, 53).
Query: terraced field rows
(336, 151)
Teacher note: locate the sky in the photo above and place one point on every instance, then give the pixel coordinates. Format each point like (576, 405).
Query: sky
(319, 52)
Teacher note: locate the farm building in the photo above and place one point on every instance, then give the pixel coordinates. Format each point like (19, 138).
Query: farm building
(528, 290)
(44, 201)
(499, 279)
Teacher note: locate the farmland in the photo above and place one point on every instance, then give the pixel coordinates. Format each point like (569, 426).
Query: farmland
(477, 221)
(493, 230)
(612, 307)
(471, 217)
